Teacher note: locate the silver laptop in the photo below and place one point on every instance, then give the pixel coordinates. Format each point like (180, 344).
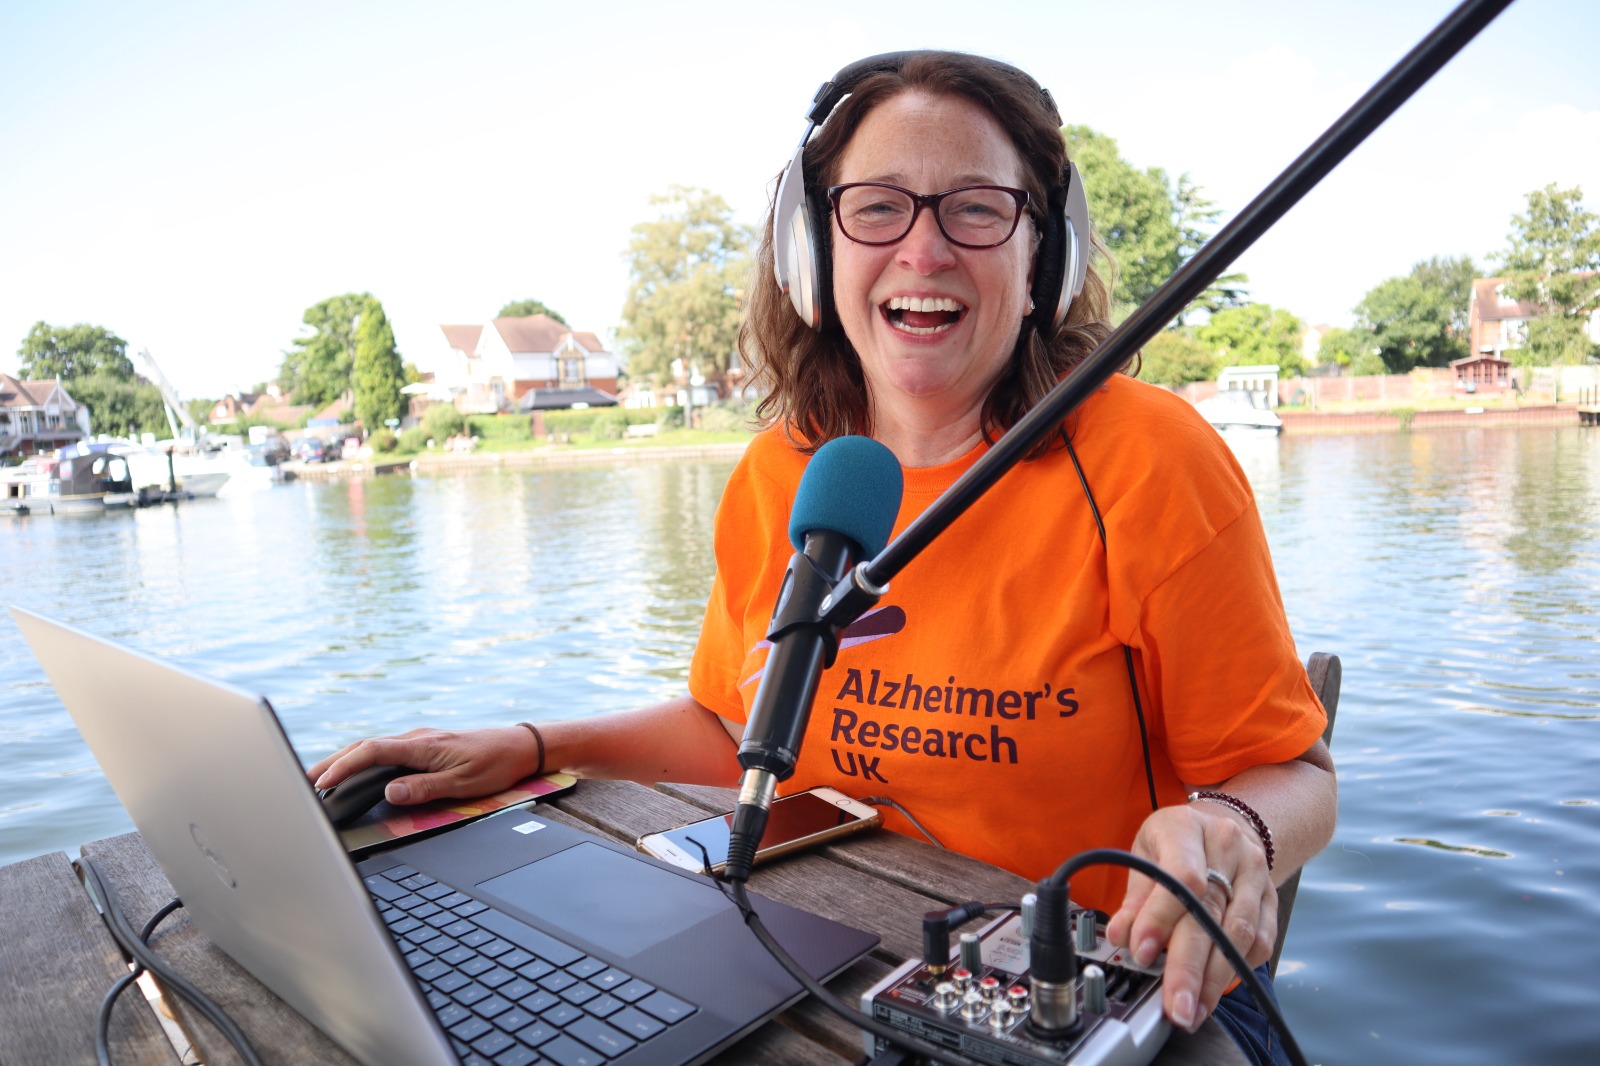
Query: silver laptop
(511, 940)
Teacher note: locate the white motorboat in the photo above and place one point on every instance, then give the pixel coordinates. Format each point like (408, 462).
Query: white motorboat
(1233, 413)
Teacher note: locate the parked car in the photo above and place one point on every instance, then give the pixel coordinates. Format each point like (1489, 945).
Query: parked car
(314, 450)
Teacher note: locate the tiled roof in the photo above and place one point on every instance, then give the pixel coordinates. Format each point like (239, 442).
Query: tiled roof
(464, 338)
(1491, 309)
(16, 393)
(534, 333)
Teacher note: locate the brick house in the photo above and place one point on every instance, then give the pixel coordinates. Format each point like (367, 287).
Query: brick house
(38, 416)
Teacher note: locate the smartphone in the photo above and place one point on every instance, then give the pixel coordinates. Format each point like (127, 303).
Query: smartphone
(802, 820)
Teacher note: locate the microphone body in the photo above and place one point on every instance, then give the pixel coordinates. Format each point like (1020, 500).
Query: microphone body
(803, 645)
(844, 511)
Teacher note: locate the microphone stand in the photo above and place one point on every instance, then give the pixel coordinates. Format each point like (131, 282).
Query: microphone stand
(860, 589)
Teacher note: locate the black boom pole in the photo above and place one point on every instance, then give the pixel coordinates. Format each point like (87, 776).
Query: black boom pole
(1327, 152)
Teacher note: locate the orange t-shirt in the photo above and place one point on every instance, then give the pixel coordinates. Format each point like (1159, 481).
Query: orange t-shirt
(988, 692)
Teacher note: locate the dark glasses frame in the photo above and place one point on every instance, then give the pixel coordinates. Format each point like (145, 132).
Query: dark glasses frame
(931, 201)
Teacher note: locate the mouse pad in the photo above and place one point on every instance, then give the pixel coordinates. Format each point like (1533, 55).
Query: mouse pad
(386, 824)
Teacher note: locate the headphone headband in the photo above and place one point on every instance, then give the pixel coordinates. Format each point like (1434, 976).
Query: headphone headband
(800, 220)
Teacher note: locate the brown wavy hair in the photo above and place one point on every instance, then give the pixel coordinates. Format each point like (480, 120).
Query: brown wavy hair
(812, 380)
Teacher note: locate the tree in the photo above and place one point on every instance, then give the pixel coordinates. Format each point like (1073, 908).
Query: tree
(1176, 357)
(1354, 349)
(73, 352)
(1133, 212)
(118, 406)
(524, 308)
(1255, 335)
(1553, 259)
(378, 373)
(317, 369)
(687, 273)
(1197, 218)
(1420, 319)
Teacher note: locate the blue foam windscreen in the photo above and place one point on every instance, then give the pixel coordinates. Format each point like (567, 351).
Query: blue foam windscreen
(852, 486)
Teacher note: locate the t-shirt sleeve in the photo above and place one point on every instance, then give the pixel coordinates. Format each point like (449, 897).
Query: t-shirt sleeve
(1232, 692)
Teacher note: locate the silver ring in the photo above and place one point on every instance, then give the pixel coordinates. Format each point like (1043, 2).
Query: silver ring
(1220, 879)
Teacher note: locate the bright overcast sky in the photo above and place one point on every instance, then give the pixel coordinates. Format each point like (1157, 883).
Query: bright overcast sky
(194, 175)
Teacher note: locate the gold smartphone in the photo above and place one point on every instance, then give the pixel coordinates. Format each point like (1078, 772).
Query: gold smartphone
(795, 822)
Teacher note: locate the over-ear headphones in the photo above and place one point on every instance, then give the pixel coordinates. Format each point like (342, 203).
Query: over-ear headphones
(801, 224)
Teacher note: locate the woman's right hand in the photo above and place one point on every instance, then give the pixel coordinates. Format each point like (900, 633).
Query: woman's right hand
(449, 763)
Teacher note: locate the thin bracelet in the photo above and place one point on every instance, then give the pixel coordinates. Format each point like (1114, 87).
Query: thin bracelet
(1240, 806)
(539, 770)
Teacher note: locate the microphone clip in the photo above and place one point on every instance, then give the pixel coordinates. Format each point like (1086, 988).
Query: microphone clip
(852, 597)
(804, 583)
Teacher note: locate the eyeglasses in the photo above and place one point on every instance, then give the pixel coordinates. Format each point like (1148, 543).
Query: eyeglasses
(973, 216)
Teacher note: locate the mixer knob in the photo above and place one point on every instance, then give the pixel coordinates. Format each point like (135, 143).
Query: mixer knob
(971, 952)
(945, 997)
(1086, 932)
(972, 1005)
(1094, 990)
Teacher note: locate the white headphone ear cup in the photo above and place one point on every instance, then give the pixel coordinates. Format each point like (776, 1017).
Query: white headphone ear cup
(794, 247)
(1077, 226)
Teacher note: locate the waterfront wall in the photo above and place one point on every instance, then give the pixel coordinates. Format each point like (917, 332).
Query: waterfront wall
(1394, 422)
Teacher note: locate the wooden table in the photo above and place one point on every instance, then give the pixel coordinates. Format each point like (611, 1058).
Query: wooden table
(56, 958)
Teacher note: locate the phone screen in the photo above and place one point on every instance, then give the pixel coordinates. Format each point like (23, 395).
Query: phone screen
(789, 818)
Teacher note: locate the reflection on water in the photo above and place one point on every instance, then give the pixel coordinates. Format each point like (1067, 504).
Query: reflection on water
(1453, 572)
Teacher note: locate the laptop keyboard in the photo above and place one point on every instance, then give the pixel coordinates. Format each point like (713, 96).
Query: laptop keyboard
(508, 994)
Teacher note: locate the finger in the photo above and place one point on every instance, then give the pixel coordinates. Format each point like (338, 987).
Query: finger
(1159, 915)
(374, 751)
(1189, 965)
(1121, 923)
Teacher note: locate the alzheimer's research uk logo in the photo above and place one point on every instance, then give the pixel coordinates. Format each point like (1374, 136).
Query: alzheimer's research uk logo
(874, 625)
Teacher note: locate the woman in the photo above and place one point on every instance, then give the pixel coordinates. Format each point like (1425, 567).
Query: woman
(1098, 638)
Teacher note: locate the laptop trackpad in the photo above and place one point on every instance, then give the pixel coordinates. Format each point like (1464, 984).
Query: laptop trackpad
(621, 904)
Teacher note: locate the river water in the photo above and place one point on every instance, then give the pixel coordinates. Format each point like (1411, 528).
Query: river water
(1454, 918)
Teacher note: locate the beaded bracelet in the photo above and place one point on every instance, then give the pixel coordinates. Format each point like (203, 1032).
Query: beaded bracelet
(539, 770)
(1236, 804)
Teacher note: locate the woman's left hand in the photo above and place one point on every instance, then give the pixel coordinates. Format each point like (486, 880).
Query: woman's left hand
(1187, 841)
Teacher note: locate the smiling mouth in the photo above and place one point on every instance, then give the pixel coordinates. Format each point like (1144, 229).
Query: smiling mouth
(922, 316)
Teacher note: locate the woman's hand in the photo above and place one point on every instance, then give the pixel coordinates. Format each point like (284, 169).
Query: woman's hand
(1187, 841)
(457, 765)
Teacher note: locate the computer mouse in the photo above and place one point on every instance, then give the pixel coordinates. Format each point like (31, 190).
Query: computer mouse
(358, 793)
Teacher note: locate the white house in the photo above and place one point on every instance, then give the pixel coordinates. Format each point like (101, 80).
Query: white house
(492, 367)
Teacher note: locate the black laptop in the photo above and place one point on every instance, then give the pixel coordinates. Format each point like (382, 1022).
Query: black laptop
(512, 940)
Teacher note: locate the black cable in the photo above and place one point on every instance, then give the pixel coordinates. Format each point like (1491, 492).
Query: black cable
(1197, 910)
(174, 982)
(108, 1002)
(735, 891)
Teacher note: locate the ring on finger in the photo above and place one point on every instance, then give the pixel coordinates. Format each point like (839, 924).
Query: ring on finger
(1220, 879)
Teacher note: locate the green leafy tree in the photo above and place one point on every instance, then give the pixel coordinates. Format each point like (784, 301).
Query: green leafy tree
(1176, 357)
(1420, 319)
(120, 407)
(73, 352)
(1354, 349)
(1132, 210)
(1553, 259)
(378, 373)
(1150, 226)
(1197, 220)
(1255, 335)
(524, 308)
(316, 370)
(687, 271)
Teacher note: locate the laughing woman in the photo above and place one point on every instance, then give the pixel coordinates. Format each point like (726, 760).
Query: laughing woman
(1096, 641)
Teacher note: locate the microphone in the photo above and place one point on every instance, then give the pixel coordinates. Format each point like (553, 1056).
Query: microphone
(844, 511)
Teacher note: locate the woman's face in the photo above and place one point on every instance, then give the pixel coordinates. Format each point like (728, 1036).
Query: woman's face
(943, 360)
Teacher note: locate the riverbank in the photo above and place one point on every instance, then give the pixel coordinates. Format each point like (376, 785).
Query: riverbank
(555, 455)
(1364, 419)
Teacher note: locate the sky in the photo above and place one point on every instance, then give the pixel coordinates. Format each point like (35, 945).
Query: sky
(193, 176)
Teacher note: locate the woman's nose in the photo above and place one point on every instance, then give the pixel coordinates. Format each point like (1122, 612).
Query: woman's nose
(925, 249)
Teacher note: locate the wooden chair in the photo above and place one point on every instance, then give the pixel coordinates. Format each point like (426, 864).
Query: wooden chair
(1325, 673)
